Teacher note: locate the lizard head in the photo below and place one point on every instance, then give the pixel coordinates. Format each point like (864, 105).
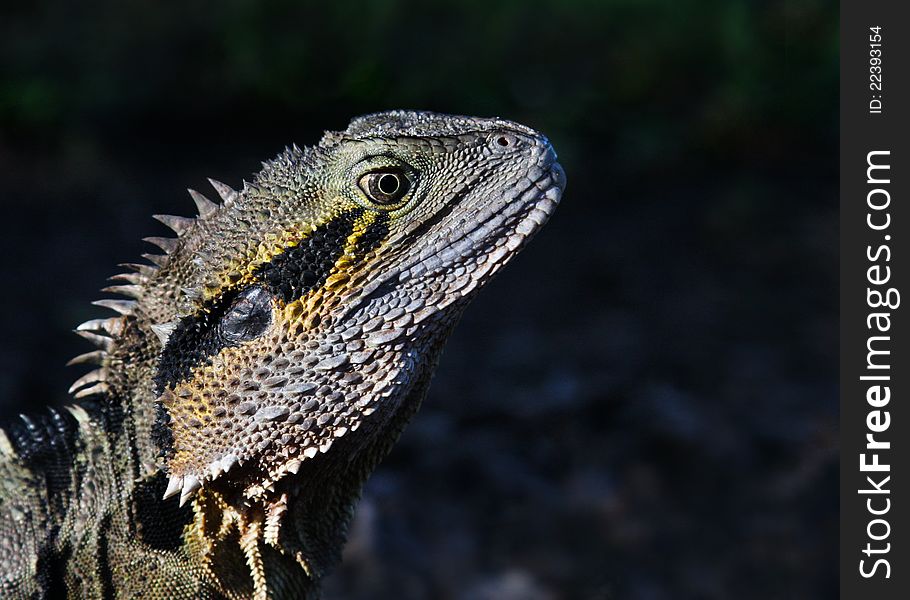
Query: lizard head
(312, 304)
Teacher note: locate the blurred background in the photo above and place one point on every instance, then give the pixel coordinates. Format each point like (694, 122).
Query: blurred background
(642, 406)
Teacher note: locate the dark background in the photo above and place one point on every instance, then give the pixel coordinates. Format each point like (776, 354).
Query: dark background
(642, 406)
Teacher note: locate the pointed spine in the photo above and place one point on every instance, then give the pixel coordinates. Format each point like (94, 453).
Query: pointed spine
(112, 326)
(98, 388)
(164, 331)
(250, 188)
(169, 245)
(130, 291)
(180, 225)
(95, 357)
(96, 376)
(124, 307)
(103, 342)
(227, 193)
(204, 206)
(159, 260)
(190, 485)
(174, 485)
(145, 271)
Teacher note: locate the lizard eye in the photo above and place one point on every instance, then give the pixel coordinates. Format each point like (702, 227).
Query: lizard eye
(248, 317)
(385, 187)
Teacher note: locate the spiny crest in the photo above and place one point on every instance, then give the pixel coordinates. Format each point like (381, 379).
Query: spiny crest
(280, 171)
(292, 156)
(103, 333)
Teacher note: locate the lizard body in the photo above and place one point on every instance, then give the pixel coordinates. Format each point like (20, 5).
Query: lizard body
(264, 364)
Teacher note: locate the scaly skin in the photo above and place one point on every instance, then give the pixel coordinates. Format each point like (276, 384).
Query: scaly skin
(265, 363)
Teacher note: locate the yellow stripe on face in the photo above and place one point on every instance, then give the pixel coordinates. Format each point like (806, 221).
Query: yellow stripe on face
(368, 232)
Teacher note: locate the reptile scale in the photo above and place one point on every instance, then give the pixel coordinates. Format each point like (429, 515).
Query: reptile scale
(257, 371)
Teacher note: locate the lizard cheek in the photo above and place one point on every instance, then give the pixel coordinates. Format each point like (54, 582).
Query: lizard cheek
(206, 420)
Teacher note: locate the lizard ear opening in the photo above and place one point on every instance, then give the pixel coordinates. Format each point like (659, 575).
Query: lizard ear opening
(249, 317)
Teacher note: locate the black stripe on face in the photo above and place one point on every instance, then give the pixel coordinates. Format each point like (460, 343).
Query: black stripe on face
(373, 236)
(298, 270)
(161, 431)
(195, 340)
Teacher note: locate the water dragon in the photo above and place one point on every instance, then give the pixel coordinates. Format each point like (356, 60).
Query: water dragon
(256, 371)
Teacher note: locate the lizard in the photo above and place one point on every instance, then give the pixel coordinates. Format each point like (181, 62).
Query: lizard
(257, 370)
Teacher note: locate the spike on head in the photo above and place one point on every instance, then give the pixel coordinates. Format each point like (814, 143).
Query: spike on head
(169, 245)
(95, 357)
(204, 206)
(145, 271)
(226, 192)
(101, 341)
(123, 307)
(179, 225)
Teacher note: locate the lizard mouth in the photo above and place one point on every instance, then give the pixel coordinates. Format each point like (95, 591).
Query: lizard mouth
(540, 200)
